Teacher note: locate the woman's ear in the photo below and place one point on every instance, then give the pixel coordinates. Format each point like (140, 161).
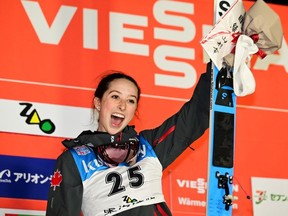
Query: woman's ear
(97, 103)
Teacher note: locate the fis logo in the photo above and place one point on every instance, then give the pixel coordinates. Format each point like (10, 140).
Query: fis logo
(46, 125)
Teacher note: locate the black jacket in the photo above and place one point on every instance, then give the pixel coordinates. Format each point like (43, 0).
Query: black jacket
(168, 141)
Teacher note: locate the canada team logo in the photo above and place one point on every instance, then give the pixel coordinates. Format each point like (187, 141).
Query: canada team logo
(46, 125)
(56, 179)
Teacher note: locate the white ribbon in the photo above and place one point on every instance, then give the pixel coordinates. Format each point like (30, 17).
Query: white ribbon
(243, 79)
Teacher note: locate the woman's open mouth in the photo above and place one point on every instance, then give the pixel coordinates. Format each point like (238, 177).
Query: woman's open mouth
(117, 119)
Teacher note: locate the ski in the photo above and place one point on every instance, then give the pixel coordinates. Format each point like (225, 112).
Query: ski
(222, 133)
(229, 45)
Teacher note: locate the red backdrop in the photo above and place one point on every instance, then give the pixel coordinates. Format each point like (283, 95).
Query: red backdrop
(53, 52)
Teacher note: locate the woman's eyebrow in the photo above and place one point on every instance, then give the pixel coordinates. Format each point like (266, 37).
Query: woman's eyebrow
(114, 91)
(121, 93)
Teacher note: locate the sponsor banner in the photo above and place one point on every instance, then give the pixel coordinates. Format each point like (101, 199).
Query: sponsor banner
(18, 212)
(44, 119)
(54, 52)
(71, 43)
(189, 193)
(27, 178)
(270, 196)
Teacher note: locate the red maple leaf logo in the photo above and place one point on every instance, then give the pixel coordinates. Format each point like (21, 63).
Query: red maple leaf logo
(56, 179)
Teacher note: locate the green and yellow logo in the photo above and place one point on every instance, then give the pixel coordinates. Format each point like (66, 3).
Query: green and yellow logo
(45, 125)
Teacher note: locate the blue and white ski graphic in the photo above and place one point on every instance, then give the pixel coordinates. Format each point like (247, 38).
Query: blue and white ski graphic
(222, 134)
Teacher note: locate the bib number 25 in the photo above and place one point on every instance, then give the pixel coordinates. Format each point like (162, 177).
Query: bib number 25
(136, 180)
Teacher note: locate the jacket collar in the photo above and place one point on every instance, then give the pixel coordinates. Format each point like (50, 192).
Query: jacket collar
(96, 138)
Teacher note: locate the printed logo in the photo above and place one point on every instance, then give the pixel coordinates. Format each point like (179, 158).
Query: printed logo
(128, 202)
(56, 179)
(82, 150)
(25, 178)
(128, 199)
(46, 125)
(5, 175)
(260, 196)
(223, 7)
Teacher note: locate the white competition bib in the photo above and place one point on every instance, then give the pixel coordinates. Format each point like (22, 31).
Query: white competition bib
(109, 191)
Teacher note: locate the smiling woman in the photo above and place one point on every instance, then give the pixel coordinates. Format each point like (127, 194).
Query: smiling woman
(116, 99)
(116, 170)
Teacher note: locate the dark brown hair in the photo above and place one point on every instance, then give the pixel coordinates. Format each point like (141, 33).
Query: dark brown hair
(106, 80)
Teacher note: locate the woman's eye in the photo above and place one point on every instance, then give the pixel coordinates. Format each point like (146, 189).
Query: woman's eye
(132, 101)
(115, 96)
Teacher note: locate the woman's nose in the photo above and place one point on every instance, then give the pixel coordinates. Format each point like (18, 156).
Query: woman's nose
(122, 105)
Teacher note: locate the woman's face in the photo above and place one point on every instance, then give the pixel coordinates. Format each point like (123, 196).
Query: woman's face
(117, 106)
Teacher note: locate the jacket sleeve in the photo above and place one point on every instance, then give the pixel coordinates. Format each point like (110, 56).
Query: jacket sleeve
(65, 193)
(175, 134)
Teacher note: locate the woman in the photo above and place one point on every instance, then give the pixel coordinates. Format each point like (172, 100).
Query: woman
(115, 170)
